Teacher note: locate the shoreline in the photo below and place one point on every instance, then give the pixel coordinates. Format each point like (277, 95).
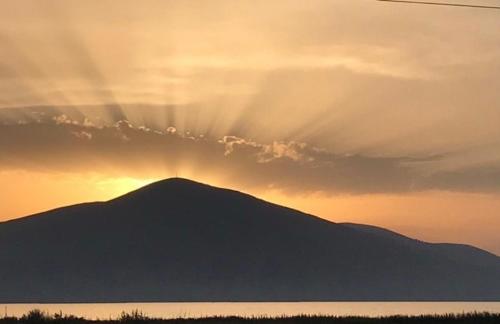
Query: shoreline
(137, 317)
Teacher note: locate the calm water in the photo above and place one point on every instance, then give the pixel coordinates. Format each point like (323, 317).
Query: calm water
(173, 310)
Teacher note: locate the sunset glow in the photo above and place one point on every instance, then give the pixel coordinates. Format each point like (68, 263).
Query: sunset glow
(354, 111)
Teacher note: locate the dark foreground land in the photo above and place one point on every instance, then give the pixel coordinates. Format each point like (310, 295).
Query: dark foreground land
(37, 317)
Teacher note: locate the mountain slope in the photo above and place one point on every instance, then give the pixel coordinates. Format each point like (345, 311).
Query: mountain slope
(458, 252)
(178, 240)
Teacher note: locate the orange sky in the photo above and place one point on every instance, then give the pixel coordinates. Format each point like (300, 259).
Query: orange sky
(361, 111)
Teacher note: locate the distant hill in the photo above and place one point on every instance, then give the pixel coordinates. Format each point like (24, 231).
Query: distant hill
(179, 240)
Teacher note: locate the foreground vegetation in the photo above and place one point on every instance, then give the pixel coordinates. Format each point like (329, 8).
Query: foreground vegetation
(136, 317)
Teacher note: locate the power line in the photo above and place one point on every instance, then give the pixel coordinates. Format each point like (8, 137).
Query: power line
(442, 4)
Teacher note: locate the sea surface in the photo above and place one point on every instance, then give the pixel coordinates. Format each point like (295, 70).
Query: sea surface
(190, 310)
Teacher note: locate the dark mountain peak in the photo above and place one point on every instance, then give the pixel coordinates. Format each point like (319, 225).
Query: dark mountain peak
(171, 187)
(175, 184)
(178, 181)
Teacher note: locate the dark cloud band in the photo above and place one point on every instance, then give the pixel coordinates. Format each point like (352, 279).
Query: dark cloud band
(59, 143)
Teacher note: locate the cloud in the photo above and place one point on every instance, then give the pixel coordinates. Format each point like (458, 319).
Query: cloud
(232, 142)
(65, 145)
(84, 135)
(264, 153)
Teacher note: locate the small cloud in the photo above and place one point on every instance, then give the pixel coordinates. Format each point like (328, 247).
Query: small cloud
(84, 135)
(230, 142)
(88, 123)
(123, 125)
(63, 119)
(278, 150)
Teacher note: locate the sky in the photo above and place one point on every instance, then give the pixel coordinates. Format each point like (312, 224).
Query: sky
(352, 110)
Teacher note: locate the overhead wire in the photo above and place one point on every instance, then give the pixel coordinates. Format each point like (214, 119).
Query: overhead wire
(450, 4)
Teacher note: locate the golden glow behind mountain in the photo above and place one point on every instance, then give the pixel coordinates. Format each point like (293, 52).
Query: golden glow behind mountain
(361, 111)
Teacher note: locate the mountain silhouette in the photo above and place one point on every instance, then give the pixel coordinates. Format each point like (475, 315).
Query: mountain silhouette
(179, 240)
